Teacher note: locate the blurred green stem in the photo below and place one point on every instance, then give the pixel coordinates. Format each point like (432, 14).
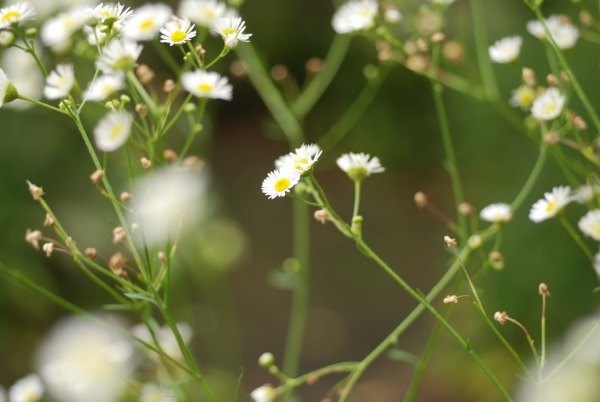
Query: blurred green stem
(575, 235)
(481, 45)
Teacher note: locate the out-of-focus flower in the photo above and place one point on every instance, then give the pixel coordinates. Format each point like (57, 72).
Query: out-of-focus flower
(548, 105)
(113, 130)
(358, 166)
(110, 13)
(57, 31)
(168, 201)
(204, 12)
(104, 86)
(84, 360)
(177, 32)
(563, 33)
(232, 31)
(443, 2)
(506, 50)
(279, 182)
(119, 56)
(302, 159)
(27, 389)
(166, 339)
(206, 84)
(14, 14)
(146, 22)
(552, 203)
(597, 263)
(8, 92)
(355, 15)
(498, 212)
(24, 74)
(60, 82)
(265, 393)
(523, 97)
(157, 393)
(589, 224)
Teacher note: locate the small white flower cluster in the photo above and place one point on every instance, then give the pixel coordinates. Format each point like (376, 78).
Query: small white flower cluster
(563, 33)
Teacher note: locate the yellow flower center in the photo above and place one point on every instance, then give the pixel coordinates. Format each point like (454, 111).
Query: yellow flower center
(550, 206)
(116, 132)
(11, 16)
(550, 108)
(147, 24)
(597, 228)
(204, 87)
(178, 36)
(282, 184)
(228, 31)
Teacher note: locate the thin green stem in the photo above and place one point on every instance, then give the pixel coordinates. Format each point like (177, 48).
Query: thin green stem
(481, 45)
(42, 104)
(532, 179)
(575, 235)
(357, 184)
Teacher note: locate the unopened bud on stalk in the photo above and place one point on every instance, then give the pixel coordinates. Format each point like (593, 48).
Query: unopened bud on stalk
(170, 156)
(162, 257)
(116, 263)
(496, 259)
(238, 69)
(90, 253)
(125, 196)
(466, 209)
(528, 76)
(266, 360)
(141, 109)
(551, 80)
(146, 164)
(31, 33)
(551, 138)
(420, 199)
(586, 18)
(35, 191)
(438, 37)
(450, 242)
(474, 242)
(543, 289)
(579, 123)
(96, 177)
(453, 52)
(189, 108)
(370, 71)
(48, 249)
(451, 299)
(313, 65)
(322, 216)
(7, 38)
(422, 45)
(280, 73)
(119, 235)
(200, 50)
(169, 86)
(145, 74)
(48, 220)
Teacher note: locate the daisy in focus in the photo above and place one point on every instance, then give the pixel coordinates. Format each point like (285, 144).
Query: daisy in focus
(548, 105)
(232, 31)
(203, 84)
(279, 182)
(301, 160)
(119, 56)
(113, 130)
(355, 15)
(589, 224)
(359, 166)
(552, 203)
(146, 22)
(60, 82)
(27, 389)
(16, 13)
(496, 213)
(506, 50)
(177, 32)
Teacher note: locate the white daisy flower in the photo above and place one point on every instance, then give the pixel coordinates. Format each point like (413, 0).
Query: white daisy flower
(24, 74)
(177, 32)
(205, 13)
(301, 159)
(27, 389)
(523, 97)
(57, 31)
(499, 212)
(359, 166)
(60, 82)
(589, 224)
(118, 56)
(146, 22)
(84, 360)
(204, 84)
(506, 50)
(110, 13)
(104, 86)
(16, 13)
(265, 393)
(548, 105)
(563, 33)
(8, 92)
(552, 204)
(355, 15)
(113, 130)
(157, 393)
(279, 182)
(232, 31)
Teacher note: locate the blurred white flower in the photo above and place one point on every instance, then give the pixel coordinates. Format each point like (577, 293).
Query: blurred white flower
(523, 97)
(589, 224)
(165, 338)
(59, 82)
(232, 31)
(27, 389)
(587, 192)
(506, 50)
(25, 76)
(177, 32)
(113, 130)
(279, 182)
(499, 212)
(104, 86)
(265, 393)
(548, 105)
(302, 159)
(358, 166)
(8, 92)
(168, 201)
(118, 56)
(392, 15)
(146, 22)
(563, 33)
(443, 2)
(156, 393)
(57, 31)
(3, 397)
(552, 204)
(355, 15)
(205, 12)
(597, 263)
(15, 14)
(85, 360)
(109, 13)
(206, 84)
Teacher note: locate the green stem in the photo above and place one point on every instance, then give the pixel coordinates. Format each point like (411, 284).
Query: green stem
(42, 104)
(357, 184)
(531, 180)
(481, 44)
(575, 235)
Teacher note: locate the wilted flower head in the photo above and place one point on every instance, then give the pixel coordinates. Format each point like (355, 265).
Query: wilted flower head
(119, 56)
(206, 84)
(355, 15)
(204, 12)
(27, 389)
(84, 360)
(506, 50)
(146, 21)
(552, 204)
(177, 32)
(232, 31)
(548, 105)
(15, 14)
(168, 201)
(358, 166)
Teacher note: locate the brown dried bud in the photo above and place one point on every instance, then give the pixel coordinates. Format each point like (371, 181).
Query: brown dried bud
(422, 45)
(116, 263)
(579, 123)
(453, 52)
(551, 138)
(528, 76)
(312, 380)
(421, 199)
(450, 241)
(170, 156)
(119, 235)
(586, 18)
(48, 249)
(322, 216)
(551, 80)
(565, 77)
(466, 209)
(141, 109)
(193, 162)
(451, 299)
(200, 50)
(90, 253)
(48, 220)
(238, 69)
(280, 73)
(162, 257)
(96, 177)
(496, 259)
(125, 196)
(314, 65)
(169, 86)
(146, 164)
(33, 237)
(418, 63)
(145, 74)
(36, 192)
(438, 37)
(543, 289)
(501, 317)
